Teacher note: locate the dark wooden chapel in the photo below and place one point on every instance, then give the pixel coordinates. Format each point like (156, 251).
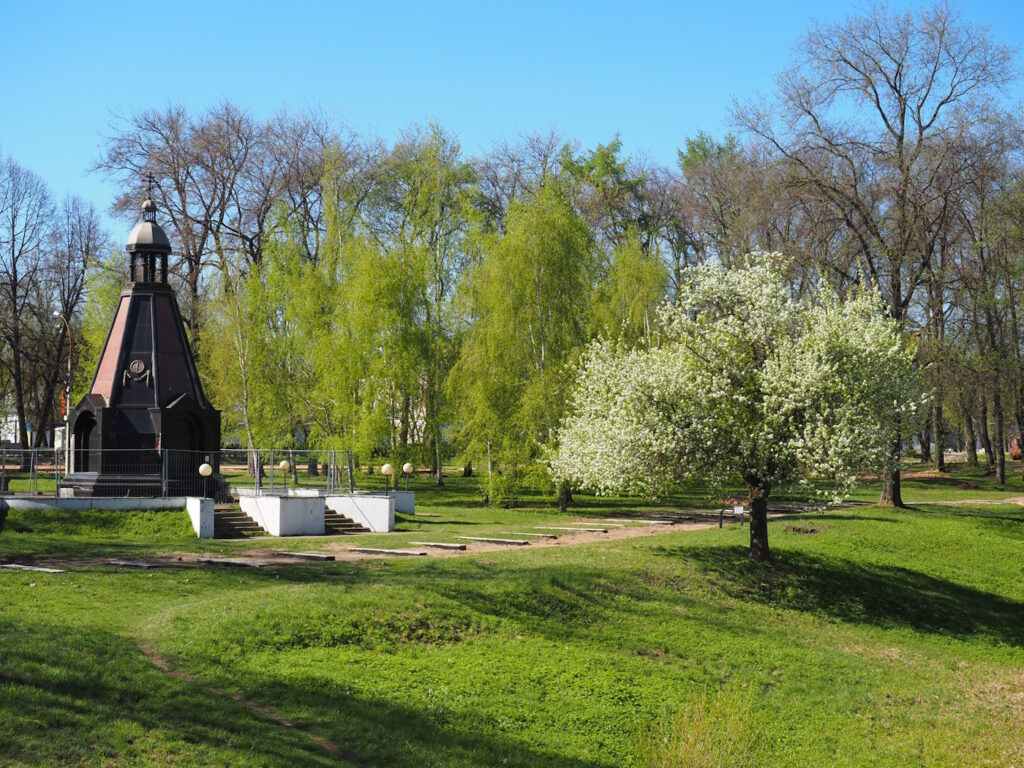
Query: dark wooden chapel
(145, 425)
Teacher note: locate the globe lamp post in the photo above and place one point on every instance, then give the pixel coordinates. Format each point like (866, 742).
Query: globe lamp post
(205, 470)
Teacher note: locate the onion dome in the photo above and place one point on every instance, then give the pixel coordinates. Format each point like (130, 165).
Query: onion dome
(148, 237)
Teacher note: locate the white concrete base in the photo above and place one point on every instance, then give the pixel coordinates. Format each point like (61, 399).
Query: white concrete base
(286, 515)
(375, 512)
(405, 502)
(81, 503)
(304, 493)
(200, 512)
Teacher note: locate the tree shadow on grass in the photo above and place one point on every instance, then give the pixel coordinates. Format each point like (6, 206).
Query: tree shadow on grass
(810, 517)
(36, 548)
(557, 602)
(997, 515)
(576, 603)
(383, 732)
(86, 694)
(866, 593)
(942, 481)
(70, 696)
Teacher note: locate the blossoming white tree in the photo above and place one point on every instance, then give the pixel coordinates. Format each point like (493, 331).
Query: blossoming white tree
(746, 382)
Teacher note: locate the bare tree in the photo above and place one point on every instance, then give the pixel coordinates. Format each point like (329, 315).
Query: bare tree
(868, 121)
(510, 170)
(75, 239)
(195, 165)
(25, 213)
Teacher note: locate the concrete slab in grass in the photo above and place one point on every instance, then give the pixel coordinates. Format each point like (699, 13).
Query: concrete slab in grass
(33, 568)
(488, 540)
(232, 563)
(395, 552)
(131, 564)
(301, 555)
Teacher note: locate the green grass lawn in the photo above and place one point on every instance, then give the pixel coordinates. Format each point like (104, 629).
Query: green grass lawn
(875, 638)
(921, 484)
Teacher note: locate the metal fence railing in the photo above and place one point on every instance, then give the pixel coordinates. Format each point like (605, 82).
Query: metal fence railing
(287, 470)
(30, 471)
(155, 473)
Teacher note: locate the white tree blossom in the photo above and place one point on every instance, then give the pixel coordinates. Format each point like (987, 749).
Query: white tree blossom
(745, 382)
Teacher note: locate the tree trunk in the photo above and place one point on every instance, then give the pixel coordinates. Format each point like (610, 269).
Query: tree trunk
(891, 496)
(986, 442)
(937, 437)
(926, 445)
(19, 405)
(256, 468)
(970, 438)
(192, 280)
(403, 430)
(564, 496)
(438, 457)
(759, 551)
(1000, 457)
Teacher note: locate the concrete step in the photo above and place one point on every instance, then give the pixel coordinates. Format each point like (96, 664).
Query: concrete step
(335, 523)
(231, 516)
(230, 522)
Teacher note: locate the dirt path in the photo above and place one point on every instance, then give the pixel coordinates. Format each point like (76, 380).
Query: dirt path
(339, 547)
(565, 539)
(1018, 500)
(162, 664)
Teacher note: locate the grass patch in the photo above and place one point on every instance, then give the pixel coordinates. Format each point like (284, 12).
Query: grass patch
(53, 533)
(883, 638)
(712, 731)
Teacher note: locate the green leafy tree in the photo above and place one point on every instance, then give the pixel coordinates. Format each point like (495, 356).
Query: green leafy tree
(259, 372)
(530, 297)
(626, 300)
(607, 191)
(418, 217)
(104, 279)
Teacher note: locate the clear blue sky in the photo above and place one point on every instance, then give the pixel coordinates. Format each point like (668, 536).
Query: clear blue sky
(655, 72)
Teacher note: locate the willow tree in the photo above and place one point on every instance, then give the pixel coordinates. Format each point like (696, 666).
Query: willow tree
(627, 297)
(746, 382)
(416, 215)
(529, 298)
